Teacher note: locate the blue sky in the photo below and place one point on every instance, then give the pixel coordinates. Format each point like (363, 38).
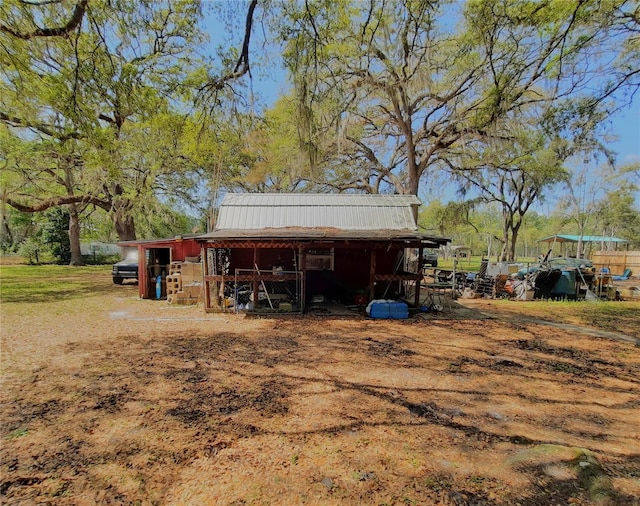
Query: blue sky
(626, 125)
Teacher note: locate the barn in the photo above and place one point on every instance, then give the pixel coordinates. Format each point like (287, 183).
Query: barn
(292, 252)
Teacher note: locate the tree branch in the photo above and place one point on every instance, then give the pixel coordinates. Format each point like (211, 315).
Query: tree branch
(58, 201)
(242, 65)
(40, 127)
(74, 21)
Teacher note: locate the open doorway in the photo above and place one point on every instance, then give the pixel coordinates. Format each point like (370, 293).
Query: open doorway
(157, 264)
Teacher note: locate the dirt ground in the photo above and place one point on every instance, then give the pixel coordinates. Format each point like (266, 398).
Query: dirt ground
(107, 399)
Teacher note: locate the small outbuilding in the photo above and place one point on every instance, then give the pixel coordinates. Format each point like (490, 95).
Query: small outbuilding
(158, 257)
(289, 252)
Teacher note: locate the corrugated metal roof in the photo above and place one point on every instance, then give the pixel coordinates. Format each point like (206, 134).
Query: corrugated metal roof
(252, 211)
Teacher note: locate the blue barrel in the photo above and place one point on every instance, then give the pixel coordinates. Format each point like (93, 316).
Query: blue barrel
(158, 287)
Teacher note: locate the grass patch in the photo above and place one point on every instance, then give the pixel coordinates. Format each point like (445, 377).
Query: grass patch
(610, 316)
(18, 433)
(47, 283)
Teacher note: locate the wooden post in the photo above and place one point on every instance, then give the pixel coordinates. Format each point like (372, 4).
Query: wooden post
(266, 292)
(624, 262)
(256, 257)
(416, 301)
(303, 279)
(205, 273)
(372, 274)
(142, 273)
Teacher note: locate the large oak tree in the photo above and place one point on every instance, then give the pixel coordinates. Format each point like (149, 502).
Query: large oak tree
(107, 95)
(388, 90)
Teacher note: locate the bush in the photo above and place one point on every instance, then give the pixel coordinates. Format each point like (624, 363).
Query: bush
(31, 249)
(55, 233)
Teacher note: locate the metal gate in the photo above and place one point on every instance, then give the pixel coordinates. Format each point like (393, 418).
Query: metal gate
(273, 291)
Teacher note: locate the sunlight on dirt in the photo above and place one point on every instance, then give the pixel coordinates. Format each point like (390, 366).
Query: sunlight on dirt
(113, 400)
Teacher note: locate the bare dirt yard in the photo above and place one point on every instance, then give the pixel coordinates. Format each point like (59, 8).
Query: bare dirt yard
(108, 399)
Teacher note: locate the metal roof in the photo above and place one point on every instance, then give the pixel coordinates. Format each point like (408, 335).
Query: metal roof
(324, 234)
(576, 238)
(259, 211)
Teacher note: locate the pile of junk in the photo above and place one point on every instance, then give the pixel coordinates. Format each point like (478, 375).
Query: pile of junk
(558, 278)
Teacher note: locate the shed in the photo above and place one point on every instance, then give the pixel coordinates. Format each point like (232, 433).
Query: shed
(284, 250)
(155, 257)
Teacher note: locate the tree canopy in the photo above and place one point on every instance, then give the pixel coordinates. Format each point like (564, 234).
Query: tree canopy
(396, 86)
(100, 108)
(131, 109)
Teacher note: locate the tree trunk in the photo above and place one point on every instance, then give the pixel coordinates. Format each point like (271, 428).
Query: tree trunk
(507, 219)
(6, 237)
(503, 252)
(74, 236)
(515, 231)
(512, 246)
(414, 181)
(125, 226)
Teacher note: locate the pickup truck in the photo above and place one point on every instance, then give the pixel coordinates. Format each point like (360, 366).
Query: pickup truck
(126, 268)
(430, 257)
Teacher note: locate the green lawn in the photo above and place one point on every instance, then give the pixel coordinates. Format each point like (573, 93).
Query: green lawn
(45, 283)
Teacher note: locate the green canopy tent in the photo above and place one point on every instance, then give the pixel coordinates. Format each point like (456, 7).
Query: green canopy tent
(590, 240)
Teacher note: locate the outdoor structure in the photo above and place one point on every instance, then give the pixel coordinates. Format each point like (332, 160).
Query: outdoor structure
(617, 262)
(603, 251)
(155, 259)
(289, 251)
(591, 241)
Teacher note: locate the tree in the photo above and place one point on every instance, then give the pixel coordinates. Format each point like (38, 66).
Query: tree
(56, 234)
(268, 156)
(618, 214)
(82, 91)
(403, 84)
(446, 219)
(579, 205)
(100, 91)
(371, 67)
(632, 170)
(34, 30)
(512, 169)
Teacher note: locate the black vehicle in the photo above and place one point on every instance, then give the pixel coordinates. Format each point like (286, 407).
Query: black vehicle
(127, 268)
(430, 257)
(561, 263)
